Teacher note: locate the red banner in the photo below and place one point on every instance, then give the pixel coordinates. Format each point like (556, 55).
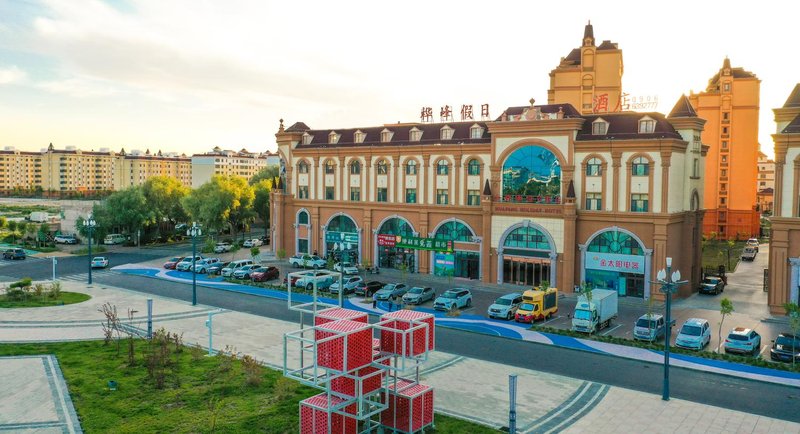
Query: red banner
(387, 240)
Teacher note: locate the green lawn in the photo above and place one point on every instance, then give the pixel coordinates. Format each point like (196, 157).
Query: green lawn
(201, 394)
(33, 301)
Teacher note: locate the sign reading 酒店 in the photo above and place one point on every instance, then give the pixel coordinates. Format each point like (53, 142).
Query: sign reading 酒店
(615, 262)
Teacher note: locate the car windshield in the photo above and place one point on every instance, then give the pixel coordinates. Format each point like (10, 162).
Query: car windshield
(712, 280)
(691, 330)
(503, 301)
(389, 287)
(415, 290)
(98, 259)
(737, 337)
(346, 264)
(787, 342)
(450, 294)
(526, 306)
(644, 322)
(175, 259)
(583, 314)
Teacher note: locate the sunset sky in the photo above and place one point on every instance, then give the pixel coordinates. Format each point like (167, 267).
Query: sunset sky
(188, 75)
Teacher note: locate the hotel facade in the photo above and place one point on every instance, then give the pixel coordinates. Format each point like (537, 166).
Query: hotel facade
(542, 193)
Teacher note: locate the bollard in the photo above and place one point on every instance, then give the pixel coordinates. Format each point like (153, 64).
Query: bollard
(149, 318)
(512, 404)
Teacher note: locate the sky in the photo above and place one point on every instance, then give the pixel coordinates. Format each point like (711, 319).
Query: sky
(189, 75)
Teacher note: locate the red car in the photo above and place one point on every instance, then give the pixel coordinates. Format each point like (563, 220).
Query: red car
(262, 274)
(294, 281)
(170, 265)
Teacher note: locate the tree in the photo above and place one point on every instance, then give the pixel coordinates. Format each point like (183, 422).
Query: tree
(127, 209)
(261, 201)
(12, 228)
(224, 200)
(729, 245)
(44, 231)
(267, 173)
(725, 309)
(164, 195)
(793, 312)
(3, 222)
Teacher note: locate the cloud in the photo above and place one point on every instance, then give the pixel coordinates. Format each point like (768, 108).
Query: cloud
(12, 75)
(79, 87)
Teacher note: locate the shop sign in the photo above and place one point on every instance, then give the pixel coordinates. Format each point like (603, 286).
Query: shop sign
(615, 262)
(418, 243)
(444, 264)
(338, 237)
(387, 240)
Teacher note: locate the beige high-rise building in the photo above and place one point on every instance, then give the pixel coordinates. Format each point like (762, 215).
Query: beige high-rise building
(137, 167)
(590, 77)
(228, 163)
(20, 170)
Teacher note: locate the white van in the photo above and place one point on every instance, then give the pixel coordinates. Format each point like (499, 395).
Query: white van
(114, 239)
(235, 265)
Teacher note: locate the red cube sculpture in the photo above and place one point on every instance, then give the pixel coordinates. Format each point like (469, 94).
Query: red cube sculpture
(349, 346)
(337, 313)
(317, 418)
(417, 341)
(410, 407)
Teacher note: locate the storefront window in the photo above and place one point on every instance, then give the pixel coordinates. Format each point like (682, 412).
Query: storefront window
(395, 257)
(532, 174)
(615, 260)
(454, 231)
(341, 239)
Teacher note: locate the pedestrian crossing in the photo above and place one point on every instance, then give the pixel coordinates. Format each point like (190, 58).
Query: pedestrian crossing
(84, 277)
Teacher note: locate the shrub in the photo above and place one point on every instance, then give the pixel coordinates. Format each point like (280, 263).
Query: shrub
(55, 290)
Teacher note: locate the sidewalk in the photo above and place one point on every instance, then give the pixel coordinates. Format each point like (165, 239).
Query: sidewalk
(546, 402)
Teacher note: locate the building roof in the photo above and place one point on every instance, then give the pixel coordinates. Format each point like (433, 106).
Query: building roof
(401, 135)
(588, 31)
(793, 127)
(683, 109)
(608, 45)
(297, 127)
(766, 191)
(573, 58)
(794, 98)
(625, 126)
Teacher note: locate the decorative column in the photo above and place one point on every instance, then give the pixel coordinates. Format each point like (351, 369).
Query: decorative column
(375, 246)
(616, 161)
(582, 250)
(325, 241)
(394, 190)
(666, 157)
(314, 182)
(553, 269)
(342, 187)
(361, 254)
(457, 193)
(499, 265)
(367, 245)
(367, 181)
(422, 187)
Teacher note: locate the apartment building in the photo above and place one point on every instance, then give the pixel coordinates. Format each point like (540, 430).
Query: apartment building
(226, 162)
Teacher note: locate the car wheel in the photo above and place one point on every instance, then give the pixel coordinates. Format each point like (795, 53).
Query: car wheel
(202, 271)
(509, 316)
(316, 267)
(469, 302)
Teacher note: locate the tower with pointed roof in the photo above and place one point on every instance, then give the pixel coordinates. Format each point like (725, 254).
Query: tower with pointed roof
(784, 251)
(589, 77)
(730, 105)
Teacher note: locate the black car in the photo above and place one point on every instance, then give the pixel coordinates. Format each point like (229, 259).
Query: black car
(265, 239)
(369, 288)
(784, 347)
(217, 267)
(14, 254)
(712, 285)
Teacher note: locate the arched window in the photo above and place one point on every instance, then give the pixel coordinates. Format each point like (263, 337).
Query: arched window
(355, 168)
(302, 218)
(454, 231)
(442, 168)
(593, 167)
(615, 242)
(532, 174)
(411, 167)
(330, 167)
(640, 167)
(342, 223)
(383, 167)
(396, 226)
(302, 167)
(473, 167)
(527, 238)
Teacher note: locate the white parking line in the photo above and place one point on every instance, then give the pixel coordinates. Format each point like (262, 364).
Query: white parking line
(552, 319)
(605, 333)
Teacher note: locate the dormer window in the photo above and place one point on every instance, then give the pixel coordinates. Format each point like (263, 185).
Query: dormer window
(333, 138)
(446, 133)
(647, 125)
(307, 138)
(475, 132)
(599, 127)
(386, 136)
(359, 136)
(415, 134)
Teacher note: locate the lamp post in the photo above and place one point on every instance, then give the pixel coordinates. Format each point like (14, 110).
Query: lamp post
(194, 232)
(90, 225)
(669, 282)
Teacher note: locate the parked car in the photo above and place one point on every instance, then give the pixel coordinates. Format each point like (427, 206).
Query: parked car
(345, 268)
(255, 242)
(14, 254)
(752, 242)
(265, 238)
(186, 263)
(99, 262)
(222, 247)
(695, 334)
(114, 239)
(749, 253)
(649, 327)
(418, 295)
(65, 239)
(263, 274)
(307, 261)
(203, 266)
(743, 341)
(368, 288)
(505, 307)
(323, 279)
(453, 298)
(349, 284)
(244, 271)
(170, 265)
(294, 281)
(216, 268)
(784, 347)
(232, 266)
(391, 289)
(712, 285)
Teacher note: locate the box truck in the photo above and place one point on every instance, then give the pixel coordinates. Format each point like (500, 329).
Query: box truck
(594, 315)
(537, 304)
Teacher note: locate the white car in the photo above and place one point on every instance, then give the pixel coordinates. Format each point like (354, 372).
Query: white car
(99, 262)
(307, 261)
(65, 239)
(222, 247)
(255, 242)
(203, 266)
(345, 268)
(349, 284)
(695, 334)
(244, 271)
(186, 263)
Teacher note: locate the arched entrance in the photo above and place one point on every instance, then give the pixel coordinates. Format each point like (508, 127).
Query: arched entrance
(526, 256)
(465, 263)
(342, 238)
(614, 258)
(390, 256)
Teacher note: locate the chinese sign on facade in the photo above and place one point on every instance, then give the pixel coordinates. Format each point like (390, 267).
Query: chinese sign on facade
(626, 102)
(615, 262)
(446, 113)
(419, 243)
(338, 237)
(443, 264)
(387, 240)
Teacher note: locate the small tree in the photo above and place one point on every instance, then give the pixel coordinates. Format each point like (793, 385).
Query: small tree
(729, 245)
(281, 254)
(254, 252)
(330, 262)
(544, 285)
(793, 312)
(725, 309)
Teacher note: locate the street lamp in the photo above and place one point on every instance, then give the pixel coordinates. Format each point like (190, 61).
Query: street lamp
(669, 282)
(90, 224)
(194, 232)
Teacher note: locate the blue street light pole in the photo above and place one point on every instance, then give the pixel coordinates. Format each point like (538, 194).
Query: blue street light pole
(90, 225)
(194, 232)
(669, 282)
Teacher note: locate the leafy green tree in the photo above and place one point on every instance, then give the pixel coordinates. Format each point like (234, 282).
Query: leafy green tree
(267, 173)
(164, 195)
(262, 190)
(2, 222)
(222, 201)
(12, 228)
(725, 309)
(126, 209)
(729, 246)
